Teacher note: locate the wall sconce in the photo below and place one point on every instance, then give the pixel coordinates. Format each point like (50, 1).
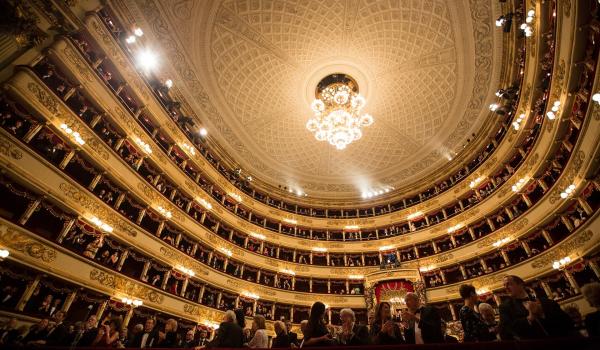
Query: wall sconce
(258, 235)
(454, 228)
(164, 212)
(552, 112)
(203, 202)
(132, 302)
(4, 253)
(567, 192)
(291, 221)
(189, 149)
(145, 147)
(562, 263)
(74, 135)
(186, 271)
(516, 187)
(319, 249)
(517, 123)
(501, 242)
(101, 225)
(414, 215)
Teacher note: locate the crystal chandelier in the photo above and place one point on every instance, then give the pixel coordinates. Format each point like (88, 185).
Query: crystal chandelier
(337, 111)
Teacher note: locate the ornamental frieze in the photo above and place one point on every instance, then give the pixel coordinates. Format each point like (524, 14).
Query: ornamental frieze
(93, 206)
(571, 246)
(503, 232)
(202, 312)
(20, 242)
(8, 149)
(437, 260)
(157, 199)
(81, 67)
(123, 285)
(184, 261)
(44, 98)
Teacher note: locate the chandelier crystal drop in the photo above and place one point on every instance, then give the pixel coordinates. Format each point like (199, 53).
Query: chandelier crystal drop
(337, 112)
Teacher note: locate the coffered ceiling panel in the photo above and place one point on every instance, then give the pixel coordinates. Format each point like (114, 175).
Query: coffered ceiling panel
(428, 69)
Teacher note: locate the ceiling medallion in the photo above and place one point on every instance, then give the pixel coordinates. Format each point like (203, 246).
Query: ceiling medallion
(337, 111)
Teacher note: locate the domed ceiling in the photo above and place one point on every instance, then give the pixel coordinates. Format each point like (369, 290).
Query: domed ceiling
(249, 68)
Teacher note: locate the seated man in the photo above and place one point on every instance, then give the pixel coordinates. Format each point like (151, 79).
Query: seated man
(524, 317)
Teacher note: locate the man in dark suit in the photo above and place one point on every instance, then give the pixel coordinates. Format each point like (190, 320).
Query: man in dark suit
(190, 342)
(203, 339)
(525, 317)
(59, 334)
(424, 324)
(291, 335)
(352, 333)
(148, 338)
(229, 334)
(87, 335)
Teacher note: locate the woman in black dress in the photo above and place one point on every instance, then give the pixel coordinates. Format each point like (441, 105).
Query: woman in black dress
(316, 330)
(474, 327)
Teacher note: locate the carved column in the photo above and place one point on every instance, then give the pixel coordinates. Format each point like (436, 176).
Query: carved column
(29, 211)
(101, 309)
(66, 228)
(547, 237)
(572, 281)
(124, 256)
(463, 272)
(68, 301)
(66, 160)
(594, 267)
(128, 317)
(505, 257)
(28, 292)
(525, 246)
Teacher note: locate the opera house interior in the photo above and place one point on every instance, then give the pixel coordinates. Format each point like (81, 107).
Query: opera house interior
(308, 173)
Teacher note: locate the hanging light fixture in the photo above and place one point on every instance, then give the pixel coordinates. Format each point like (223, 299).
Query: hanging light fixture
(337, 109)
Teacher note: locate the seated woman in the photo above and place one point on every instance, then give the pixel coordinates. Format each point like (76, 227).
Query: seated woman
(384, 331)
(168, 338)
(474, 327)
(259, 339)
(108, 333)
(316, 330)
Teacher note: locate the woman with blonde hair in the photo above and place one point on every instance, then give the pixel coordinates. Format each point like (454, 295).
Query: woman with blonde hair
(259, 339)
(282, 339)
(168, 338)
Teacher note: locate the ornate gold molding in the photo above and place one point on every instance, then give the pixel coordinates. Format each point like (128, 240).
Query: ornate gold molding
(567, 248)
(96, 209)
(122, 285)
(18, 241)
(8, 149)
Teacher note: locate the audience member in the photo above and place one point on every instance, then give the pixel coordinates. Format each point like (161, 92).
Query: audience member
(591, 292)
(37, 333)
(489, 317)
(189, 341)
(87, 334)
(450, 339)
(58, 334)
(523, 316)
(108, 333)
(9, 334)
(384, 331)
(292, 335)
(229, 334)
(259, 333)
(316, 330)
(424, 324)
(473, 326)
(281, 340)
(148, 338)
(203, 339)
(352, 333)
(168, 338)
